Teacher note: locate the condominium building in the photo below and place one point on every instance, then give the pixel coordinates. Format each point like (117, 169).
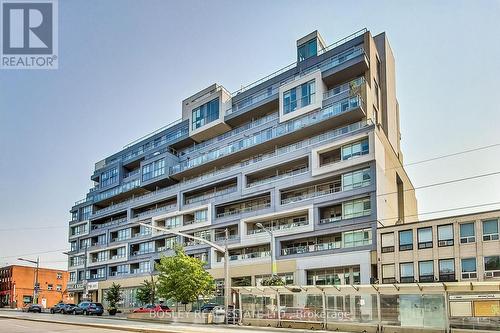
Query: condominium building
(456, 248)
(311, 152)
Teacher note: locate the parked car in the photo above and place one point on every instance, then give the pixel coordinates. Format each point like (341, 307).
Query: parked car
(57, 308)
(208, 307)
(68, 308)
(33, 308)
(152, 308)
(89, 308)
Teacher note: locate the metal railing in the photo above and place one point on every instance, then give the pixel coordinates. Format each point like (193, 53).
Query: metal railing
(279, 176)
(244, 209)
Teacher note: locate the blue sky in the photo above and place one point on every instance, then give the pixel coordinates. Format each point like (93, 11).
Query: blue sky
(125, 66)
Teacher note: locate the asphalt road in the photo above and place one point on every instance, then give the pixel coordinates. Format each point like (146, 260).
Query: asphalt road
(24, 326)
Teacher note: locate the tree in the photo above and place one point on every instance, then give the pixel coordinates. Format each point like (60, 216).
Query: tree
(274, 280)
(183, 279)
(146, 293)
(113, 296)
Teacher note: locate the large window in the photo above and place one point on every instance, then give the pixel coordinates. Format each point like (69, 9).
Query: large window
(109, 177)
(205, 114)
(406, 272)
(490, 230)
(492, 266)
(388, 273)
(426, 271)
(425, 238)
(299, 97)
(85, 213)
(445, 235)
(387, 242)
(356, 179)
(469, 270)
(447, 270)
(153, 170)
(357, 208)
(307, 50)
(467, 233)
(355, 149)
(406, 240)
(334, 276)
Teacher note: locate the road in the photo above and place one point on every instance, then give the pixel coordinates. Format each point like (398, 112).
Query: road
(24, 326)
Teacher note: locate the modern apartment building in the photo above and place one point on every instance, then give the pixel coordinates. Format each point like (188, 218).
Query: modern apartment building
(456, 248)
(311, 151)
(17, 284)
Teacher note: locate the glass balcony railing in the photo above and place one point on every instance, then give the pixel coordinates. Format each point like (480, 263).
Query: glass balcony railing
(268, 134)
(243, 210)
(279, 227)
(210, 195)
(245, 256)
(156, 210)
(109, 224)
(286, 174)
(313, 191)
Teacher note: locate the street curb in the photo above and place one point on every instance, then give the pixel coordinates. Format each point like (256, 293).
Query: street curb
(103, 326)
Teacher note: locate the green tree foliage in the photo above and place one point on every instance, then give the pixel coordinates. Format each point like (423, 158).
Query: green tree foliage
(113, 295)
(274, 280)
(146, 293)
(183, 278)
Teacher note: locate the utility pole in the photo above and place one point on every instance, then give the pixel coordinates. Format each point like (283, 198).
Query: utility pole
(85, 291)
(37, 285)
(227, 283)
(272, 249)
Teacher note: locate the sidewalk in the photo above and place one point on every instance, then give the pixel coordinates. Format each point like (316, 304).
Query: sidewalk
(136, 326)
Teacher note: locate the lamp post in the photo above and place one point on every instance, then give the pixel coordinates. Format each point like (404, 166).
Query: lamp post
(37, 286)
(271, 248)
(227, 281)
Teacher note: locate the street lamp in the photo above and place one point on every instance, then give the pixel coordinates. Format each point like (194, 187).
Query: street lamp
(227, 281)
(35, 290)
(271, 248)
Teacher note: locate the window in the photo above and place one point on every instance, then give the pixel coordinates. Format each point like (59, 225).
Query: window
(406, 240)
(50, 287)
(357, 238)
(84, 243)
(355, 149)
(109, 177)
(426, 271)
(357, 208)
(299, 97)
(469, 270)
(447, 270)
(492, 266)
(85, 213)
(153, 170)
(388, 274)
(406, 272)
(445, 235)
(425, 238)
(356, 179)
(307, 50)
(122, 234)
(467, 233)
(205, 114)
(73, 246)
(59, 276)
(59, 287)
(490, 230)
(72, 276)
(388, 242)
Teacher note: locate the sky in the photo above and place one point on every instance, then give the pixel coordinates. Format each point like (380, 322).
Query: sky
(126, 65)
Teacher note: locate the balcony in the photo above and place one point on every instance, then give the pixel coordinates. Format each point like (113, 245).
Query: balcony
(285, 223)
(347, 239)
(245, 206)
(313, 191)
(257, 252)
(290, 169)
(344, 111)
(217, 191)
(109, 224)
(156, 211)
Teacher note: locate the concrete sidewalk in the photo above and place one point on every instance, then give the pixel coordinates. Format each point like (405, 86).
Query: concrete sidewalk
(136, 326)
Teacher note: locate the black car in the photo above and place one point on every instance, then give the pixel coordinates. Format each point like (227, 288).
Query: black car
(68, 309)
(33, 308)
(57, 308)
(89, 308)
(208, 307)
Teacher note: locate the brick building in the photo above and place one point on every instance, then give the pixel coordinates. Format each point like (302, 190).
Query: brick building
(17, 286)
